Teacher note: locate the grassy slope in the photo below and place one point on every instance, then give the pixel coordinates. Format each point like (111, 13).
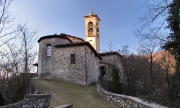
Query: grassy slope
(68, 93)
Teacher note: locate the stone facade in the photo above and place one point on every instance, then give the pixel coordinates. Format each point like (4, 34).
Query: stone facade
(63, 68)
(110, 59)
(56, 53)
(92, 66)
(58, 65)
(45, 64)
(56, 61)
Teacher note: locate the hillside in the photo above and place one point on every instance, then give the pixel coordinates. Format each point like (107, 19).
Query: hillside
(166, 61)
(69, 93)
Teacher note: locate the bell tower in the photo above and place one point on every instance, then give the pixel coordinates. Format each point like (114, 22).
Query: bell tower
(92, 30)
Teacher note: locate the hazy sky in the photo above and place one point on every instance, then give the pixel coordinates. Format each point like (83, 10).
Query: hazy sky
(118, 18)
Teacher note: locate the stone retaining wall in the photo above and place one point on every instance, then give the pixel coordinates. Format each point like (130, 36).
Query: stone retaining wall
(125, 101)
(65, 106)
(32, 101)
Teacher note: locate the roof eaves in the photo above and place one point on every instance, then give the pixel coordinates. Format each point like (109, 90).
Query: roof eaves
(79, 44)
(110, 53)
(53, 36)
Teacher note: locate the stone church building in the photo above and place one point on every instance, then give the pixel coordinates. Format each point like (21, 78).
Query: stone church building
(76, 60)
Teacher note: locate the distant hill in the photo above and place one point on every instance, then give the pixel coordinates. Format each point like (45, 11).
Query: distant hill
(162, 58)
(166, 61)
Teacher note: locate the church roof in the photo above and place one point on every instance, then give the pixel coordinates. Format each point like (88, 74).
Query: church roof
(110, 53)
(54, 36)
(91, 14)
(73, 37)
(79, 44)
(62, 35)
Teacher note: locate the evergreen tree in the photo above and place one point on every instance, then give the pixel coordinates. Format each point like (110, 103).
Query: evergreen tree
(116, 84)
(173, 45)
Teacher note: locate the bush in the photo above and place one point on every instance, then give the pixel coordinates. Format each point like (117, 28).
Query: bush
(115, 85)
(13, 89)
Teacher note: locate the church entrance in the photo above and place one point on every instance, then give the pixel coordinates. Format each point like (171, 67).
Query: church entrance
(2, 101)
(102, 71)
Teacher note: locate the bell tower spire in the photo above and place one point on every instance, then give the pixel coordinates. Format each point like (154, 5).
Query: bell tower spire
(92, 30)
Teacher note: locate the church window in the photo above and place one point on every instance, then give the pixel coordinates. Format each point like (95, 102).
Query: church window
(90, 28)
(97, 27)
(73, 58)
(102, 71)
(49, 50)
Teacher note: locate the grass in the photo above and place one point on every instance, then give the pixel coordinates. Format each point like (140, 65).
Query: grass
(69, 93)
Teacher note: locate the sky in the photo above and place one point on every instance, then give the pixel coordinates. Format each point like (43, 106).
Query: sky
(118, 18)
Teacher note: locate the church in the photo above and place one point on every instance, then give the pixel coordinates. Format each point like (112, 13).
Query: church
(76, 60)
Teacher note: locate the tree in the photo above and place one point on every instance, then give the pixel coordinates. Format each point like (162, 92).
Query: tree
(111, 46)
(173, 43)
(124, 50)
(27, 44)
(150, 43)
(18, 57)
(16, 54)
(157, 12)
(162, 11)
(7, 29)
(116, 84)
(131, 74)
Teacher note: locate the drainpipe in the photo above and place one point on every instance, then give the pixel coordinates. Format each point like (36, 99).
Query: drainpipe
(85, 65)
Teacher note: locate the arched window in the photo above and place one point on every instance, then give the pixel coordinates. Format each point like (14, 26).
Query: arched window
(102, 71)
(90, 28)
(48, 50)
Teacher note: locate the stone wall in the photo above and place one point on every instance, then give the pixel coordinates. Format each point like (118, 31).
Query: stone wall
(32, 101)
(84, 71)
(92, 66)
(64, 69)
(44, 61)
(112, 59)
(125, 101)
(65, 106)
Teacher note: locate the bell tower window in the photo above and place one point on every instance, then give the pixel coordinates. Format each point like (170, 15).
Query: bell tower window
(97, 27)
(90, 28)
